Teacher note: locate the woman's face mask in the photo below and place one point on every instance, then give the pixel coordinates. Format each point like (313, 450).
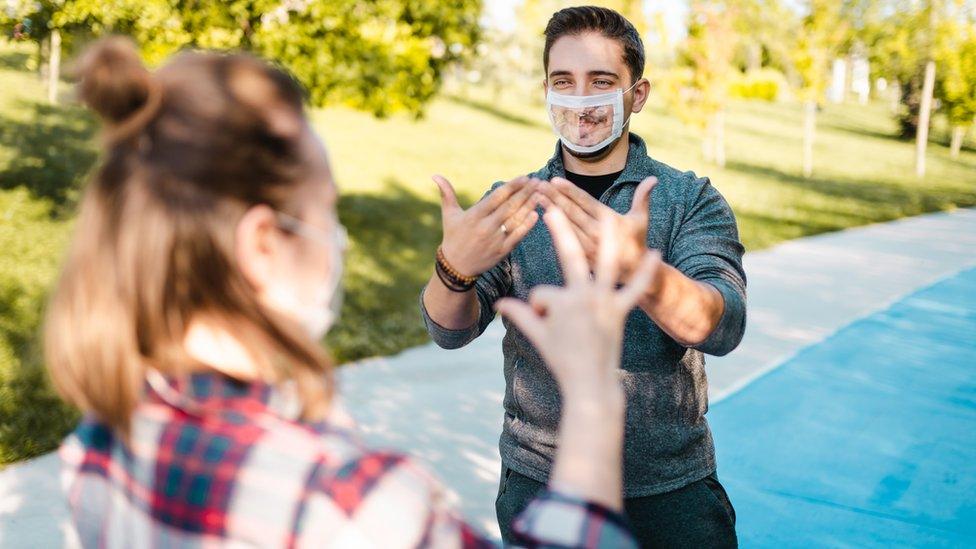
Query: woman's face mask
(587, 123)
(319, 311)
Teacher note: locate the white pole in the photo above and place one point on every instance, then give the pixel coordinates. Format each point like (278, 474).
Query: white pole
(924, 113)
(809, 134)
(54, 72)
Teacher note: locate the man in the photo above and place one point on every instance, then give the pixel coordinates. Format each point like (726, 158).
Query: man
(695, 304)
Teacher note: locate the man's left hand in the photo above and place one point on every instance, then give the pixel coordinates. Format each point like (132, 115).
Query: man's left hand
(585, 212)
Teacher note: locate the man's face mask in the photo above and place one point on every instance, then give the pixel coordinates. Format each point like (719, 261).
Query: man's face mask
(587, 123)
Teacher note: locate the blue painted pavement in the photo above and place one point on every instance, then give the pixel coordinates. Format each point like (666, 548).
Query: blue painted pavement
(867, 438)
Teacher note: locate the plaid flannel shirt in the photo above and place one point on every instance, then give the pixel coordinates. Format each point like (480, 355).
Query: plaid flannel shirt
(215, 462)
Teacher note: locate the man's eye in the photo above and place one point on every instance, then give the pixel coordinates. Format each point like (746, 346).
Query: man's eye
(603, 83)
(561, 82)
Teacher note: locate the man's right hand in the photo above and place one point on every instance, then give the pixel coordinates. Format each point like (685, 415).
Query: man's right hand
(476, 239)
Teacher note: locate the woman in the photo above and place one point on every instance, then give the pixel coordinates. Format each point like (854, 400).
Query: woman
(206, 265)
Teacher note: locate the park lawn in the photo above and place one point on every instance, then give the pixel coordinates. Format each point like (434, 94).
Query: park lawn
(862, 175)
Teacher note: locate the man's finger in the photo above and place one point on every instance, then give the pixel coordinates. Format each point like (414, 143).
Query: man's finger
(544, 201)
(518, 216)
(640, 207)
(522, 315)
(449, 201)
(518, 233)
(500, 195)
(640, 280)
(515, 202)
(568, 247)
(607, 263)
(582, 198)
(576, 214)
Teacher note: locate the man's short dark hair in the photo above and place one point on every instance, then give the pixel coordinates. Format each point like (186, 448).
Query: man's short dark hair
(610, 24)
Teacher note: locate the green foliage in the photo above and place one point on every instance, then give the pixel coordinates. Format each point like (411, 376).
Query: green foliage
(382, 56)
(818, 38)
(955, 58)
(902, 35)
(764, 28)
(700, 89)
(762, 84)
(32, 418)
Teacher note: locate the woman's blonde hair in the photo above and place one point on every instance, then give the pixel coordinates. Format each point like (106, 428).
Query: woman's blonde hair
(187, 150)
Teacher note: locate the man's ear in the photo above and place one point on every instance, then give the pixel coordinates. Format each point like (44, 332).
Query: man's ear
(545, 88)
(641, 92)
(255, 240)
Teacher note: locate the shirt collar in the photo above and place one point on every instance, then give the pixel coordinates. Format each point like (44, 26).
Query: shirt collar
(635, 170)
(204, 393)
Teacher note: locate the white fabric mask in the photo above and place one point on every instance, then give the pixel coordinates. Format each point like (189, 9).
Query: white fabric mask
(587, 123)
(317, 313)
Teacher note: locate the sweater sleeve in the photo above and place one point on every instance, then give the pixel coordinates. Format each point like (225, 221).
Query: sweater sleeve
(707, 249)
(491, 286)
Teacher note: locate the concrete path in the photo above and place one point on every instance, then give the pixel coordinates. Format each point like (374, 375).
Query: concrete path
(445, 406)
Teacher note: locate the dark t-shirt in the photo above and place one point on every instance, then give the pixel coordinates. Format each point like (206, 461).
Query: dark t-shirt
(596, 185)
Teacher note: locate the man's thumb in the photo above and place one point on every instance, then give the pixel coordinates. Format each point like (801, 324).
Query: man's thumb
(449, 199)
(642, 197)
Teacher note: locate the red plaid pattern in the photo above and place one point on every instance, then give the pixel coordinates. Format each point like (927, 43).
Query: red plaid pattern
(213, 461)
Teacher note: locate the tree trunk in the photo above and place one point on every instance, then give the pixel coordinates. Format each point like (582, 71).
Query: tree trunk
(809, 134)
(894, 95)
(42, 57)
(719, 137)
(754, 57)
(708, 143)
(958, 133)
(713, 142)
(54, 72)
(925, 111)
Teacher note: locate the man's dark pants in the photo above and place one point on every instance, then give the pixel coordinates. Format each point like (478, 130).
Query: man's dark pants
(697, 515)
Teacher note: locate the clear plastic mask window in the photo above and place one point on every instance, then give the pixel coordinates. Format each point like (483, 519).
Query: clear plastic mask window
(584, 126)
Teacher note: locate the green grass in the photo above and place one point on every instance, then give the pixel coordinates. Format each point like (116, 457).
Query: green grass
(863, 174)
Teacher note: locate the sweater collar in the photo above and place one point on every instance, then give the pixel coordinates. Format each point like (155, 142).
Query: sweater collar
(635, 170)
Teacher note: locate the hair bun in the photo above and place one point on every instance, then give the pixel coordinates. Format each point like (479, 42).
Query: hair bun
(114, 82)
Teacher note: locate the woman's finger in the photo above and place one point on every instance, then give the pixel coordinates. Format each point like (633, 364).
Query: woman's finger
(541, 298)
(568, 248)
(524, 318)
(607, 259)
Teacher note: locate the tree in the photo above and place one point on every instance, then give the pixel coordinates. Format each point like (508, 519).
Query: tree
(765, 29)
(36, 20)
(818, 38)
(955, 54)
(698, 90)
(382, 56)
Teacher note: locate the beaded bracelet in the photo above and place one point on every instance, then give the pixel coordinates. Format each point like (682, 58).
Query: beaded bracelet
(451, 278)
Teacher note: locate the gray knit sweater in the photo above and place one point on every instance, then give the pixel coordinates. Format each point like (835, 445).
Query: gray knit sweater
(667, 440)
